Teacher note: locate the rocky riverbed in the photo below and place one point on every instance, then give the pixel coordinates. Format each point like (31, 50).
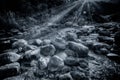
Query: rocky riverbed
(70, 52)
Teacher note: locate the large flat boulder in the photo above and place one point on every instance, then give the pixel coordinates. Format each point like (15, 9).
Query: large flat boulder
(80, 50)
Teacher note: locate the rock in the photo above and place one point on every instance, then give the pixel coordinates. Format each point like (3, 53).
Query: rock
(62, 55)
(78, 75)
(31, 55)
(66, 76)
(59, 43)
(88, 29)
(19, 43)
(104, 33)
(70, 61)
(46, 42)
(105, 39)
(55, 64)
(98, 46)
(48, 50)
(83, 64)
(65, 69)
(8, 57)
(37, 42)
(9, 70)
(43, 62)
(80, 49)
(114, 57)
(22, 45)
(70, 36)
(104, 51)
(117, 39)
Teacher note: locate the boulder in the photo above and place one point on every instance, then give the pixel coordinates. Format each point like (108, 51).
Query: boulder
(62, 55)
(98, 46)
(80, 50)
(66, 76)
(106, 39)
(78, 75)
(19, 43)
(70, 36)
(70, 61)
(22, 45)
(46, 42)
(31, 55)
(59, 43)
(48, 50)
(66, 69)
(55, 64)
(114, 57)
(8, 57)
(9, 70)
(43, 62)
(36, 42)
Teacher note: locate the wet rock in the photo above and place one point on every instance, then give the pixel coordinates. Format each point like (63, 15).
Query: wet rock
(22, 45)
(107, 40)
(48, 50)
(104, 51)
(46, 42)
(83, 63)
(59, 43)
(88, 28)
(113, 56)
(19, 43)
(55, 64)
(70, 36)
(9, 70)
(8, 57)
(117, 39)
(43, 62)
(98, 46)
(37, 42)
(80, 49)
(31, 55)
(70, 61)
(78, 75)
(65, 77)
(62, 55)
(65, 69)
(104, 33)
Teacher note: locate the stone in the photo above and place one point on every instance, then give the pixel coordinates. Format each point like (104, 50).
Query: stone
(31, 55)
(65, 69)
(55, 64)
(106, 39)
(80, 49)
(22, 45)
(46, 42)
(70, 61)
(48, 50)
(8, 57)
(83, 64)
(114, 57)
(104, 51)
(59, 43)
(37, 42)
(19, 43)
(98, 46)
(43, 62)
(78, 75)
(66, 76)
(62, 55)
(9, 70)
(70, 36)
